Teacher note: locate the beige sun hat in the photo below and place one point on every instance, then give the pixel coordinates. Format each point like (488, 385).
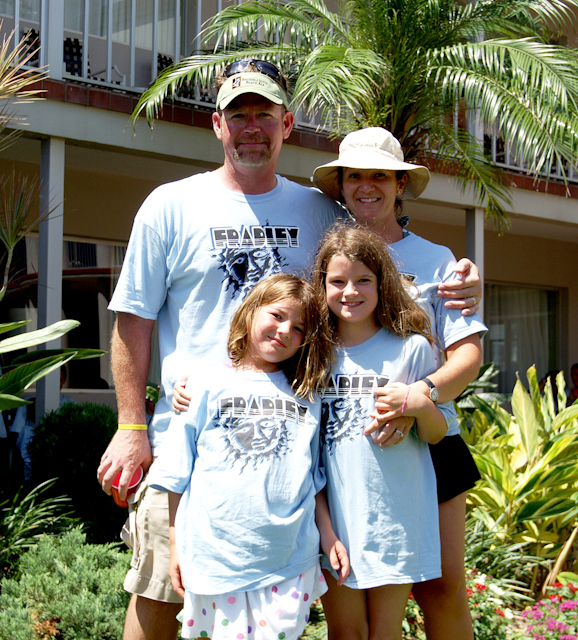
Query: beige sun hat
(371, 148)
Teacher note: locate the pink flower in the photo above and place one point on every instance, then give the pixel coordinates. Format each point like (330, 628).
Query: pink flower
(537, 614)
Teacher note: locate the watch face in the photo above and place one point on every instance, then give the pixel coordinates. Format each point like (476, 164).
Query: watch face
(434, 394)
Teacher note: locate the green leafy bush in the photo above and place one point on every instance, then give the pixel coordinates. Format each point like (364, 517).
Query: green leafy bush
(68, 443)
(67, 590)
(25, 518)
(529, 483)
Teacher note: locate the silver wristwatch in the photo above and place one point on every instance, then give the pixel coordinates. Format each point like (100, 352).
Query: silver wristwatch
(434, 393)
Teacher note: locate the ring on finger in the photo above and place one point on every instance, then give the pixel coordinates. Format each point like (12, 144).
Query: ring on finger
(399, 433)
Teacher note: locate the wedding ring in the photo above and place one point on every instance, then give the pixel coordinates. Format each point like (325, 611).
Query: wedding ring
(400, 433)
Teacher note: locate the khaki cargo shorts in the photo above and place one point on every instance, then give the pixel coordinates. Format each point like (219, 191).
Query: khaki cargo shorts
(146, 532)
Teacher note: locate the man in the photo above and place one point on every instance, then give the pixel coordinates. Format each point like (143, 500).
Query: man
(196, 248)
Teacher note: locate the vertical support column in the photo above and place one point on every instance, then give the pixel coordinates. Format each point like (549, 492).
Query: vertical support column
(475, 219)
(50, 261)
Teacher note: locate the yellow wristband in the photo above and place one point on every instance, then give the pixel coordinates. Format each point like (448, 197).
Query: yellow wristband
(132, 427)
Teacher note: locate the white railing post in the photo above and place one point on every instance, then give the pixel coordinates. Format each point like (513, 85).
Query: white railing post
(108, 75)
(132, 37)
(16, 38)
(85, 39)
(51, 38)
(155, 43)
(177, 6)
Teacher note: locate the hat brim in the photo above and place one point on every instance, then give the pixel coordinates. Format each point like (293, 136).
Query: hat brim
(326, 176)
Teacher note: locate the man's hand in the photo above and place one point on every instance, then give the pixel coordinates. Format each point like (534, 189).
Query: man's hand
(466, 292)
(126, 451)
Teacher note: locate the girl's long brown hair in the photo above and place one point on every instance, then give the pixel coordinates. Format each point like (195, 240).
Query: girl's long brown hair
(396, 310)
(307, 370)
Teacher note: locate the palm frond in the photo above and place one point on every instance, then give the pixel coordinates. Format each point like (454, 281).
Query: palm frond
(17, 82)
(461, 155)
(331, 70)
(299, 22)
(199, 68)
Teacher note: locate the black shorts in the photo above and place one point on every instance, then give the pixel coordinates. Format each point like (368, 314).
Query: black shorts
(455, 468)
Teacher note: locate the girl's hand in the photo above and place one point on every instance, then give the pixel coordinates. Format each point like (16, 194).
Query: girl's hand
(392, 431)
(181, 399)
(175, 573)
(338, 559)
(391, 401)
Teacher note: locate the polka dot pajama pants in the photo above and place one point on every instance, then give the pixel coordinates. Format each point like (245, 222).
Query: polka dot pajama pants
(279, 612)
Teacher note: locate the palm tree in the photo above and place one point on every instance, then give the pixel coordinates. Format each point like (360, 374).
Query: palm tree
(414, 67)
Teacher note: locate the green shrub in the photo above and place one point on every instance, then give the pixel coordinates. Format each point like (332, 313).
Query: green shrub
(68, 443)
(68, 590)
(24, 519)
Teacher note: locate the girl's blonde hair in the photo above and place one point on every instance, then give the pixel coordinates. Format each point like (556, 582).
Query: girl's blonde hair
(307, 370)
(396, 310)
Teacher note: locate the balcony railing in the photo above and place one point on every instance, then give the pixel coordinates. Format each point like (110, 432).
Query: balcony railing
(124, 44)
(505, 155)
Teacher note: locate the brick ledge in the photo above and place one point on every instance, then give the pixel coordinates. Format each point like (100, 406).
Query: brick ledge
(122, 101)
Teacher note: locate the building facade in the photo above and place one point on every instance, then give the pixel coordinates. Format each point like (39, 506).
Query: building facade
(95, 170)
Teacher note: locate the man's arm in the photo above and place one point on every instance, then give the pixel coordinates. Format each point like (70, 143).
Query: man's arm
(131, 350)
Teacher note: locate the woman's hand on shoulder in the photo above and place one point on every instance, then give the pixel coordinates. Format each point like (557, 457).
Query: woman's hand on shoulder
(464, 293)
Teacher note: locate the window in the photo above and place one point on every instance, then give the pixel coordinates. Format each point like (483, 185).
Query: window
(523, 325)
(89, 274)
(121, 19)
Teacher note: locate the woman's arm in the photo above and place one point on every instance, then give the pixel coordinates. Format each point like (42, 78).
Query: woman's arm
(174, 567)
(461, 367)
(330, 544)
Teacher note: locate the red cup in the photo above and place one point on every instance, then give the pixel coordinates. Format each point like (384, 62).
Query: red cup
(134, 482)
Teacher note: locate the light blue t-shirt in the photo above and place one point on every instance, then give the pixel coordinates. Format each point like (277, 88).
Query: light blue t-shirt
(383, 501)
(427, 265)
(245, 456)
(195, 251)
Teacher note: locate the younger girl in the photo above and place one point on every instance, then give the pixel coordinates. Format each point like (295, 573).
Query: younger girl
(241, 467)
(382, 501)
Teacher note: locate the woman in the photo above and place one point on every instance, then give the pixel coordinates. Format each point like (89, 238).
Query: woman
(371, 178)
